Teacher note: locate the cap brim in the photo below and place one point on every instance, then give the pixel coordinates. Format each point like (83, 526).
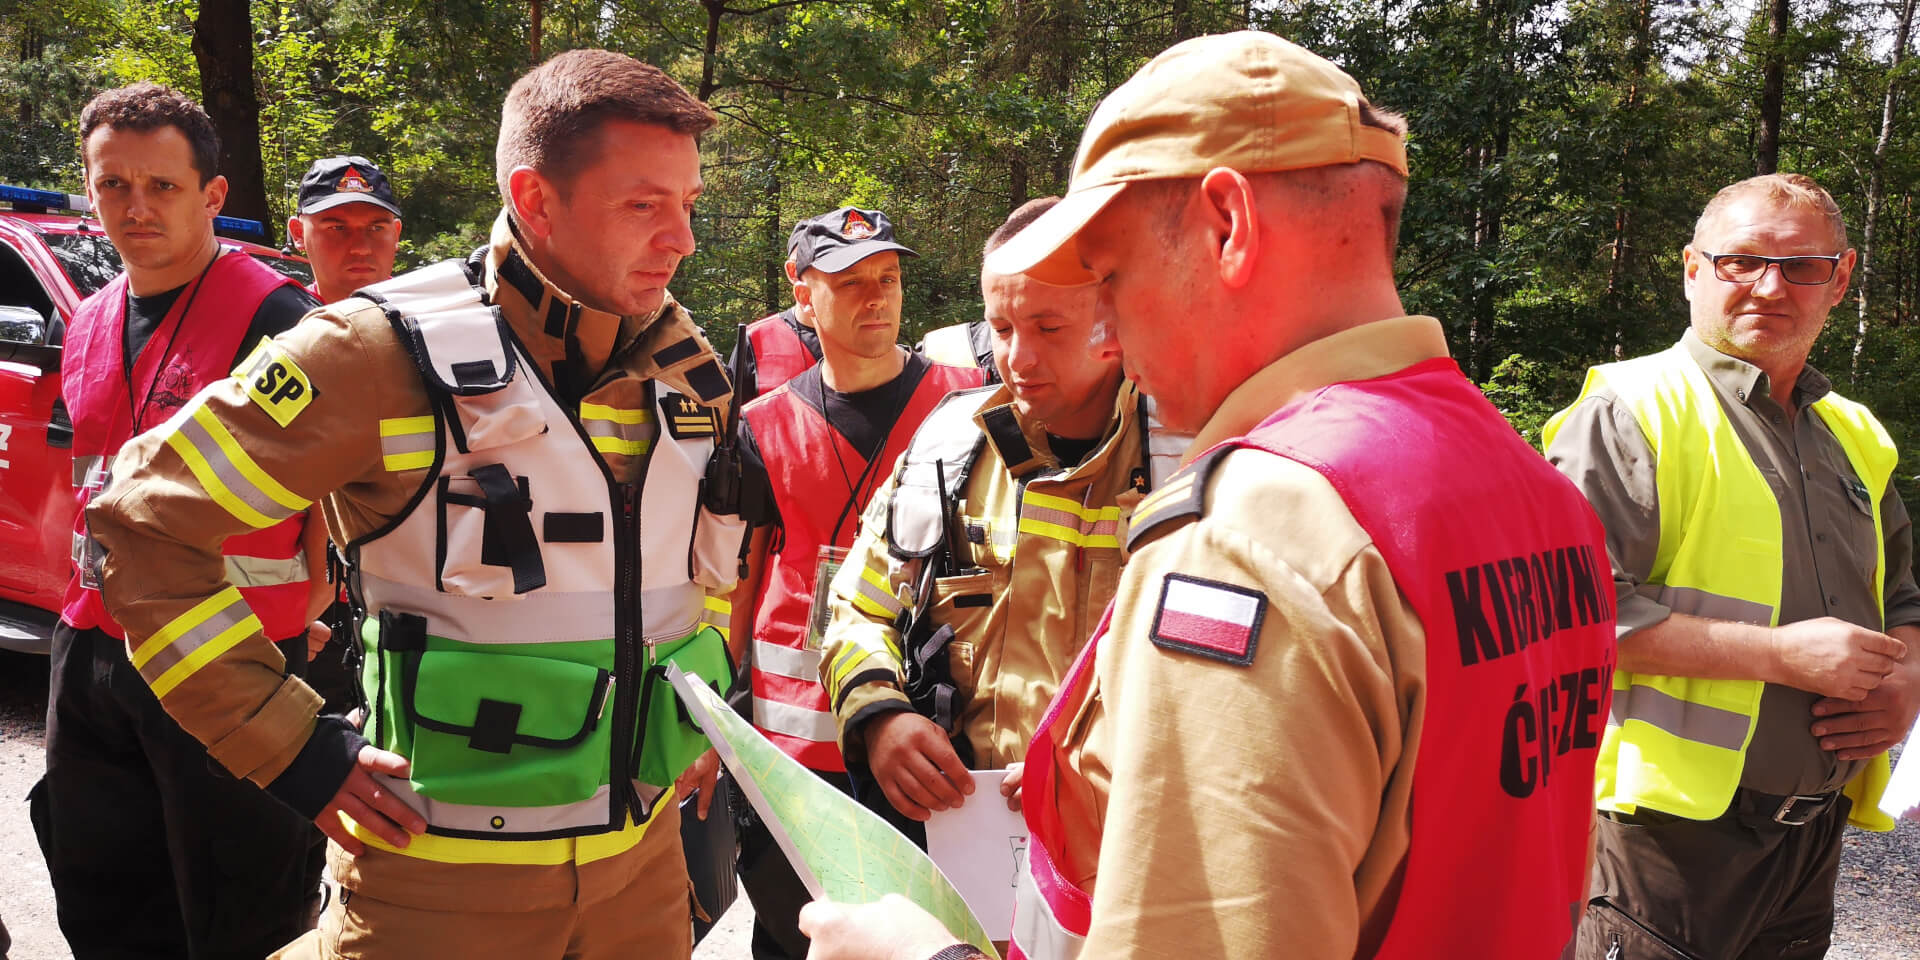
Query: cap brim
(1048, 249)
(835, 261)
(342, 199)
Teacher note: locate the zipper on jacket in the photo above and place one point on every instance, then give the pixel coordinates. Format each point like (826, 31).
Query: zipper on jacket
(626, 653)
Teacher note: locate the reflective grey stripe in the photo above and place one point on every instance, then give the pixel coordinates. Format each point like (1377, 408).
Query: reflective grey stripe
(1688, 721)
(196, 434)
(543, 616)
(630, 432)
(886, 601)
(264, 572)
(78, 549)
(194, 639)
(405, 443)
(591, 812)
(1715, 606)
(782, 661)
(793, 721)
(1039, 935)
(81, 467)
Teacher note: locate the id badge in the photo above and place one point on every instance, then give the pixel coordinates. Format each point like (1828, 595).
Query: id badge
(88, 555)
(821, 611)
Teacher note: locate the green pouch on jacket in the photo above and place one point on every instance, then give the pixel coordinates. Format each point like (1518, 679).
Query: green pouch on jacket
(503, 730)
(670, 742)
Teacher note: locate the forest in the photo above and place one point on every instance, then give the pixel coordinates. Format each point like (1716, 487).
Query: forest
(1560, 149)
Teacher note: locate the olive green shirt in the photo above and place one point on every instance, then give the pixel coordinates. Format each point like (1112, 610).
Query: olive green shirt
(1826, 527)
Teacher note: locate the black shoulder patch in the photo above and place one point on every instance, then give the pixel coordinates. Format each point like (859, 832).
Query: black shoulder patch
(688, 418)
(708, 380)
(1183, 497)
(671, 354)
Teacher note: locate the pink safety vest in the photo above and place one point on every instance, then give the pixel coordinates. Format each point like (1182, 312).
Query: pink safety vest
(1505, 564)
(790, 703)
(185, 354)
(779, 354)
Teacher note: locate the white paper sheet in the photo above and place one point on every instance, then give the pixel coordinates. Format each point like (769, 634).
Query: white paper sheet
(982, 847)
(1903, 791)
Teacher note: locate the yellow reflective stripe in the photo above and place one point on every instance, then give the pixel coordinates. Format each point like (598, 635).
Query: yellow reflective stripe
(587, 849)
(719, 615)
(1058, 518)
(1089, 514)
(407, 443)
(175, 628)
(204, 654)
(192, 640)
(401, 426)
(1067, 534)
(598, 411)
(228, 474)
(246, 465)
(875, 595)
(631, 448)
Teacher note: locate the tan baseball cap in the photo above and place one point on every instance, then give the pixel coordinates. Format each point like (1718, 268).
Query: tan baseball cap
(1249, 100)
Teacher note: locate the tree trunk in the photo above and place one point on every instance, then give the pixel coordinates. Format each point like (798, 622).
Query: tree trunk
(774, 286)
(1773, 84)
(1876, 188)
(709, 53)
(223, 47)
(536, 9)
(1626, 195)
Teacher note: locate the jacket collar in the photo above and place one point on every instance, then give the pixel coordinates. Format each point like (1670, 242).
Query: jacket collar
(579, 348)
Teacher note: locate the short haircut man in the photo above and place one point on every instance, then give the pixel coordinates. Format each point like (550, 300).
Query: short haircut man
(1762, 562)
(151, 851)
(347, 222)
(818, 446)
(509, 795)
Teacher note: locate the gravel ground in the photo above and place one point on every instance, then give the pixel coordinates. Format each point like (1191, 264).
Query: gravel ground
(1878, 896)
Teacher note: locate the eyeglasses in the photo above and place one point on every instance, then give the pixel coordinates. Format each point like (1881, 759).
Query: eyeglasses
(1750, 267)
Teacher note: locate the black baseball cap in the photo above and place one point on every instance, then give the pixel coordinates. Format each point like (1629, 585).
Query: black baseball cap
(832, 242)
(334, 181)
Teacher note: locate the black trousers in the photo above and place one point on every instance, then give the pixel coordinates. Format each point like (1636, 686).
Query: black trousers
(153, 848)
(1741, 887)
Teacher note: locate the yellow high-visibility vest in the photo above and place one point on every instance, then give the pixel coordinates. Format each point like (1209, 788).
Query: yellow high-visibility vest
(1678, 744)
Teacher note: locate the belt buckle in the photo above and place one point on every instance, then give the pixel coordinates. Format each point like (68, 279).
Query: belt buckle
(1784, 815)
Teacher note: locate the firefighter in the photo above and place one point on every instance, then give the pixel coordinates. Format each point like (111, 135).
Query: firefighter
(511, 448)
(1000, 565)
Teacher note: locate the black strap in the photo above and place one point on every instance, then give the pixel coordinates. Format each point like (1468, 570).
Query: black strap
(508, 539)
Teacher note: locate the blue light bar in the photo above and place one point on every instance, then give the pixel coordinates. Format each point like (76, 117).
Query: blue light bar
(50, 199)
(239, 225)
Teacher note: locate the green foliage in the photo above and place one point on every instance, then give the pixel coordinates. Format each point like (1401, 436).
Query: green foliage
(1560, 148)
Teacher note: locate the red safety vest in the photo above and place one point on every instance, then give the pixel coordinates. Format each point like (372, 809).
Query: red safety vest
(184, 355)
(1506, 566)
(803, 454)
(779, 354)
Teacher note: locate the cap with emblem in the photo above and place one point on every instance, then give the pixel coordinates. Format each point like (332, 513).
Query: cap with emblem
(1249, 100)
(832, 242)
(334, 181)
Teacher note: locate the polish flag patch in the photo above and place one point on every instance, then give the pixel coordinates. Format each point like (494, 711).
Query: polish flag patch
(1216, 620)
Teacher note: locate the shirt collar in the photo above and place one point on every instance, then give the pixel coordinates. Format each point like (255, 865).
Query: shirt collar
(1359, 353)
(1744, 380)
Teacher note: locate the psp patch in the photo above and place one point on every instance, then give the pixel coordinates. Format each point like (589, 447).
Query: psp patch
(275, 382)
(688, 418)
(1219, 621)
